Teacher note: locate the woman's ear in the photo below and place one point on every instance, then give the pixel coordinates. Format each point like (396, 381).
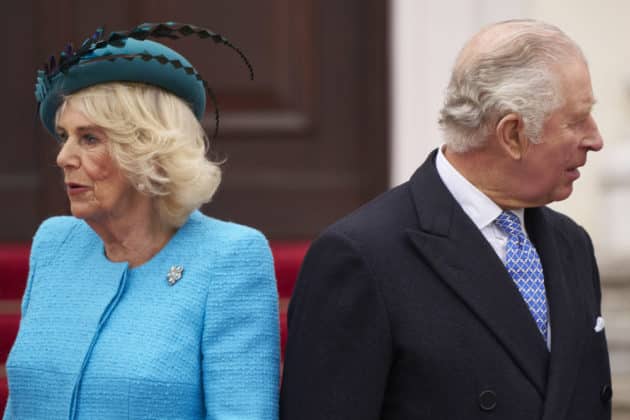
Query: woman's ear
(511, 136)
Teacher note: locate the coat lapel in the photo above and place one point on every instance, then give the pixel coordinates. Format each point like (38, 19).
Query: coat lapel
(566, 341)
(450, 242)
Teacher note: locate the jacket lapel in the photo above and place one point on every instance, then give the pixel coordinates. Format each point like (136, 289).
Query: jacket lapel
(450, 242)
(566, 341)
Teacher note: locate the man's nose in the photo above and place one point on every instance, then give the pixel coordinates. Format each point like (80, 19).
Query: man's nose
(593, 140)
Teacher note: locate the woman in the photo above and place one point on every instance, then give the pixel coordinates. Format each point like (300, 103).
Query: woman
(139, 306)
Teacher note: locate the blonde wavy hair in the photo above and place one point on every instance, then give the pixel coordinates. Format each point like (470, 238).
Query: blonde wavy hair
(157, 141)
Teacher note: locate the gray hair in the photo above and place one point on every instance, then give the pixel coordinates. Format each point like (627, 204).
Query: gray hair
(508, 67)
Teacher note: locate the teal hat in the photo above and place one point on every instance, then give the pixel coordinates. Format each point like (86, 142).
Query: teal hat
(127, 57)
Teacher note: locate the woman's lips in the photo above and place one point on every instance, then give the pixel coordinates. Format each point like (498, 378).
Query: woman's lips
(76, 189)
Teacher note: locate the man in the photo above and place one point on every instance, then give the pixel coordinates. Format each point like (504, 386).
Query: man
(432, 301)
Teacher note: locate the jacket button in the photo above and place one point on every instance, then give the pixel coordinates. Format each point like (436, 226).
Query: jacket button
(487, 400)
(606, 393)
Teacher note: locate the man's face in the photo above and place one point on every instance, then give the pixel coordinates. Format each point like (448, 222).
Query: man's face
(569, 133)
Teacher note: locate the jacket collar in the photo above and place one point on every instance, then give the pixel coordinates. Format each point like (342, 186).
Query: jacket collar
(448, 240)
(466, 262)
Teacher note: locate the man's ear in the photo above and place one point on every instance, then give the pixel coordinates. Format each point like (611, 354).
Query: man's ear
(511, 135)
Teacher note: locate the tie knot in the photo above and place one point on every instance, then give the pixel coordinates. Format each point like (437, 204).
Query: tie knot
(509, 223)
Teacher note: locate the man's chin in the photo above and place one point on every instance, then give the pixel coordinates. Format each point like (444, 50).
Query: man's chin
(564, 193)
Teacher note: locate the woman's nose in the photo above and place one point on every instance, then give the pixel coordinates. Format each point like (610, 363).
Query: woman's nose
(67, 156)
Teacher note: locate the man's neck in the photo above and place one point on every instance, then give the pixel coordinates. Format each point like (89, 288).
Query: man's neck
(488, 171)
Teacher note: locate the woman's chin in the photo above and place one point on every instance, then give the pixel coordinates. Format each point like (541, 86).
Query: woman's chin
(81, 211)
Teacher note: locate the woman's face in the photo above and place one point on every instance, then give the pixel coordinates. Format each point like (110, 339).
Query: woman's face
(96, 186)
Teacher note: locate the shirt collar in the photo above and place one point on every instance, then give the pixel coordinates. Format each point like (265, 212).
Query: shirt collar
(478, 206)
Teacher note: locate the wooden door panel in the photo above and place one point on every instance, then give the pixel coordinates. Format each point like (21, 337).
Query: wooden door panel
(305, 142)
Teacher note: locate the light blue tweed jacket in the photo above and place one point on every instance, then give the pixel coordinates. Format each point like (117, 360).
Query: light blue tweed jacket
(100, 340)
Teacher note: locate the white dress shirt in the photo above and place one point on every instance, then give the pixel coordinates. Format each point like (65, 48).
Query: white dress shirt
(481, 210)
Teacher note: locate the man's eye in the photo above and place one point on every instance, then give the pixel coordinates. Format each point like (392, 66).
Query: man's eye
(578, 123)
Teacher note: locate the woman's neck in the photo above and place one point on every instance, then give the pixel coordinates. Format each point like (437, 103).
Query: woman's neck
(134, 238)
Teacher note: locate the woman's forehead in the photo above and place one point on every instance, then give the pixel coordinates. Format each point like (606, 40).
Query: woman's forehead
(70, 115)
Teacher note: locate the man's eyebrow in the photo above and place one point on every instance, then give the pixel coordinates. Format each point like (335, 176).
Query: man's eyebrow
(587, 106)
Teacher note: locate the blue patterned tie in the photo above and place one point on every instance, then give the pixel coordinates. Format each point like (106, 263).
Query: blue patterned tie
(523, 264)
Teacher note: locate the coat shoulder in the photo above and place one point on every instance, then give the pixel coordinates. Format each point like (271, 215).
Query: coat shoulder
(564, 225)
(224, 237)
(53, 234)
(390, 212)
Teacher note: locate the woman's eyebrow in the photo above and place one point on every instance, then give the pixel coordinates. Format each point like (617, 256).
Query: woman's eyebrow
(89, 128)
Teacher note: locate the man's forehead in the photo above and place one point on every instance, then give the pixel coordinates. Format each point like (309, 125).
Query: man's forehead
(575, 81)
(583, 99)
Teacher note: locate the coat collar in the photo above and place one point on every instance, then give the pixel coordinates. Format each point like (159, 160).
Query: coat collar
(456, 249)
(567, 338)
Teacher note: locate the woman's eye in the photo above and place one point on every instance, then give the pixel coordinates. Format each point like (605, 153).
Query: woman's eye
(89, 139)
